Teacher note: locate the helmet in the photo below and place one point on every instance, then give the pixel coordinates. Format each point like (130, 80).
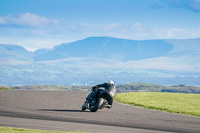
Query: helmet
(111, 82)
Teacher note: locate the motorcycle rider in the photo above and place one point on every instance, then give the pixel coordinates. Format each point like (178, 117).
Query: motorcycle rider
(109, 86)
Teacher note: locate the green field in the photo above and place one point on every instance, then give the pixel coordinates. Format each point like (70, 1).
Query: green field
(21, 130)
(6, 88)
(188, 104)
(3, 88)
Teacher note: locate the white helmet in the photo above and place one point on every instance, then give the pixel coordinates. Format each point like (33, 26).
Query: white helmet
(111, 82)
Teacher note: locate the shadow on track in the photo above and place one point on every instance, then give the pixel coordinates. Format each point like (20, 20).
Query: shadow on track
(62, 110)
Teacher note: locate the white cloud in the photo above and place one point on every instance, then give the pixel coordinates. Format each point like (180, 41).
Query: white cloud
(84, 25)
(2, 20)
(195, 5)
(192, 5)
(37, 43)
(137, 27)
(135, 31)
(173, 31)
(32, 43)
(28, 19)
(41, 32)
(111, 26)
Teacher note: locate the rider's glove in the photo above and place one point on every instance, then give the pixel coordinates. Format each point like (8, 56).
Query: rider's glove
(94, 88)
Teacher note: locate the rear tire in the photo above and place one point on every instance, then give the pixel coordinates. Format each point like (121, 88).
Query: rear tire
(97, 105)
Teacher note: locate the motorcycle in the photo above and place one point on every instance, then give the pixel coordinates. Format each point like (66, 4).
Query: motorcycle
(103, 99)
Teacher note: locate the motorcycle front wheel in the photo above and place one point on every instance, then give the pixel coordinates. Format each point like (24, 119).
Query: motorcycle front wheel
(97, 105)
(83, 108)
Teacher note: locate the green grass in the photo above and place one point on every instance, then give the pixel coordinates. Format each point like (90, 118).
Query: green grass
(188, 104)
(3, 88)
(6, 88)
(21, 130)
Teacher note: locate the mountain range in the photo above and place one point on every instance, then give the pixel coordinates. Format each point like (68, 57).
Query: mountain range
(95, 55)
(106, 47)
(93, 47)
(177, 54)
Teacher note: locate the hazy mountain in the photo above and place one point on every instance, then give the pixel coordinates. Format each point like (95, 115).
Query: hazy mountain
(14, 54)
(98, 59)
(177, 54)
(108, 48)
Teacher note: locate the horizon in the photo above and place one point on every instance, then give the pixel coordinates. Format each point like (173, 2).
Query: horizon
(99, 37)
(44, 24)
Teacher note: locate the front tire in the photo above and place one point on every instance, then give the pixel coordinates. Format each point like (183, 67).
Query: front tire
(83, 108)
(98, 104)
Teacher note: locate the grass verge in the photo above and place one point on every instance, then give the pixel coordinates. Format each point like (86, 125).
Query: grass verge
(188, 104)
(21, 130)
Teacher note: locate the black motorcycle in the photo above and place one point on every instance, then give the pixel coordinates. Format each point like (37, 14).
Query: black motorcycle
(103, 99)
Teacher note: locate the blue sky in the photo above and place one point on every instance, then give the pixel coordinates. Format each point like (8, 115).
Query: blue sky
(36, 24)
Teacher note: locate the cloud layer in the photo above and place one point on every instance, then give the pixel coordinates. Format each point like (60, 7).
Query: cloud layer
(27, 19)
(192, 5)
(33, 31)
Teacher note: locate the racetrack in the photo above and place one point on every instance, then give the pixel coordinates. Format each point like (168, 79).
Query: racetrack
(60, 110)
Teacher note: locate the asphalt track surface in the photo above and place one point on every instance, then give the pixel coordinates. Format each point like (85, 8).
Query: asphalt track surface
(60, 110)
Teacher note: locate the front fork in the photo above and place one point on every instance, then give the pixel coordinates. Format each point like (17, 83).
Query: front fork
(88, 105)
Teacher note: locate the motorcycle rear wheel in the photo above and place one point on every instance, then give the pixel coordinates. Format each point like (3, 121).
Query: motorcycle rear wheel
(98, 105)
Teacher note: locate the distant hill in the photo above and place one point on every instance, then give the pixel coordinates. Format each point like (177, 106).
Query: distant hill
(53, 87)
(14, 52)
(132, 87)
(145, 87)
(108, 48)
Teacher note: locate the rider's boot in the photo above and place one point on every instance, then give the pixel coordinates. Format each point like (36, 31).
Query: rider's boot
(108, 106)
